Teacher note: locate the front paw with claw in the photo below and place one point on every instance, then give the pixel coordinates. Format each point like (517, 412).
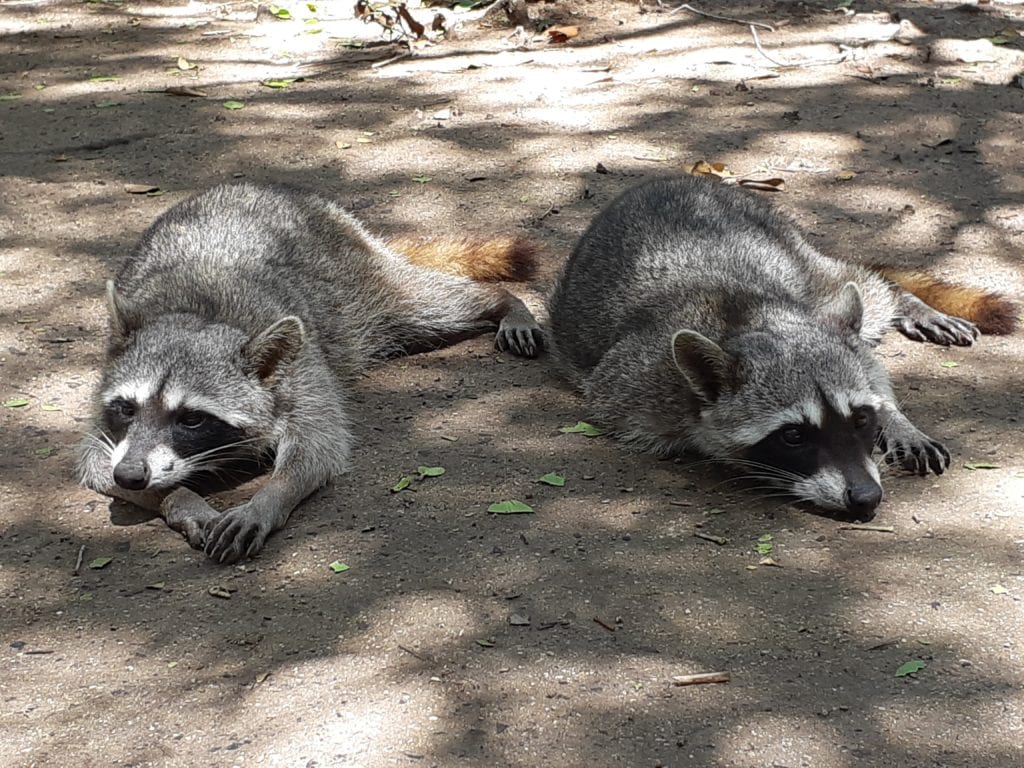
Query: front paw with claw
(915, 452)
(938, 328)
(189, 514)
(238, 534)
(519, 339)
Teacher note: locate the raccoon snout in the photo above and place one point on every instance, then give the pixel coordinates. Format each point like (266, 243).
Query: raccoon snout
(132, 476)
(862, 500)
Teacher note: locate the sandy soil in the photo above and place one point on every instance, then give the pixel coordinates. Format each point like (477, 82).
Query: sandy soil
(458, 637)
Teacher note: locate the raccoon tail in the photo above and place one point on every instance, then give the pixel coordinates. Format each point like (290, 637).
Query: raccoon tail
(991, 312)
(493, 259)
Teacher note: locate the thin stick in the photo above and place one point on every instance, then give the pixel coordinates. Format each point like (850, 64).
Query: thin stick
(691, 9)
(719, 540)
(392, 60)
(411, 652)
(701, 678)
(809, 63)
(607, 626)
(78, 562)
(859, 527)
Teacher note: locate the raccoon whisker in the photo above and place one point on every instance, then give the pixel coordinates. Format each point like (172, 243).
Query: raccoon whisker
(226, 447)
(101, 441)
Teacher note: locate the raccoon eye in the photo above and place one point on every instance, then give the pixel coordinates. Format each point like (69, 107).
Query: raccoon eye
(192, 419)
(792, 436)
(123, 408)
(861, 419)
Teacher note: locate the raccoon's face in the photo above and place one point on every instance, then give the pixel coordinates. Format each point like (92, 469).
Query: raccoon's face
(179, 409)
(797, 414)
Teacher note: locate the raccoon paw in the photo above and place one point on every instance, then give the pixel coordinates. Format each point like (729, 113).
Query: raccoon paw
(238, 534)
(189, 514)
(525, 340)
(915, 453)
(938, 328)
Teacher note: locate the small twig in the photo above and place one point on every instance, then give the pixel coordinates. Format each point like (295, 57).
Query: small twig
(691, 9)
(860, 527)
(701, 678)
(78, 562)
(419, 656)
(40, 652)
(392, 60)
(719, 540)
(808, 63)
(607, 626)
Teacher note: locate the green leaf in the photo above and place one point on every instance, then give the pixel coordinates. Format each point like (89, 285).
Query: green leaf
(421, 179)
(106, 104)
(103, 79)
(430, 471)
(49, 407)
(998, 589)
(484, 643)
(950, 364)
(16, 402)
(402, 484)
(233, 105)
(46, 452)
(281, 13)
(510, 507)
(277, 83)
(999, 39)
(311, 7)
(765, 547)
(910, 667)
(583, 428)
(9, 96)
(980, 465)
(100, 562)
(338, 567)
(552, 478)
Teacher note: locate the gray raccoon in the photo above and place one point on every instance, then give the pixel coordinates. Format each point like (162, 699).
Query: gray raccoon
(237, 325)
(696, 317)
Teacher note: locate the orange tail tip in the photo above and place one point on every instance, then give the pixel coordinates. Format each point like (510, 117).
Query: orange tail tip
(493, 259)
(991, 312)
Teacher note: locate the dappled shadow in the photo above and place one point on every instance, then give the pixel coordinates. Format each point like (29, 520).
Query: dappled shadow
(459, 637)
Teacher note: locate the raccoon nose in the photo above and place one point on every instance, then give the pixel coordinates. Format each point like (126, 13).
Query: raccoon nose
(862, 500)
(132, 476)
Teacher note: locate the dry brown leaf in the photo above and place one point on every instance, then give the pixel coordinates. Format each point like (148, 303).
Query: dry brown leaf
(846, 175)
(704, 168)
(562, 34)
(764, 185)
(140, 189)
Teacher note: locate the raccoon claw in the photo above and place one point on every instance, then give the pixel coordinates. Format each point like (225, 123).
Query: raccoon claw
(918, 457)
(524, 341)
(189, 514)
(235, 537)
(938, 328)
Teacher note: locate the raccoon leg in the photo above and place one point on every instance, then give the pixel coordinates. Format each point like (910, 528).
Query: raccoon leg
(920, 322)
(905, 445)
(518, 330)
(189, 514)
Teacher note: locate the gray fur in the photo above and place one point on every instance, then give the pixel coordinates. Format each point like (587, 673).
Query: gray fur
(695, 317)
(262, 304)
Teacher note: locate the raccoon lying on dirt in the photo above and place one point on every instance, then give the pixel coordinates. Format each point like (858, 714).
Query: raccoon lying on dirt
(236, 326)
(695, 317)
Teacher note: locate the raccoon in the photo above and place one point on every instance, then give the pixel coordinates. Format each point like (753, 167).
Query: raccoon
(236, 328)
(695, 317)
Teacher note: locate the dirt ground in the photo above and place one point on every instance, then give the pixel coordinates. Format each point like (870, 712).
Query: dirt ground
(458, 637)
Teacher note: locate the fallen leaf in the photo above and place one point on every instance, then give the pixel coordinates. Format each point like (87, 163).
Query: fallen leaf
(49, 407)
(218, 591)
(998, 589)
(510, 507)
(518, 620)
(402, 484)
(16, 402)
(100, 562)
(583, 428)
(342, 145)
(421, 179)
(764, 185)
(980, 465)
(846, 175)
(338, 567)
(233, 105)
(185, 65)
(552, 478)
(484, 643)
(704, 168)
(910, 667)
(950, 364)
(277, 83)
(281, 13)
(562, 34)
(106, 104)
(103, 79)
(430, 471)
(140, 189)
(9, 96)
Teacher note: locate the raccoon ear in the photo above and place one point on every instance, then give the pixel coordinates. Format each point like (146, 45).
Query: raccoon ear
(123, 318)
(706, 366)
(274, 348)
(846, 309)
